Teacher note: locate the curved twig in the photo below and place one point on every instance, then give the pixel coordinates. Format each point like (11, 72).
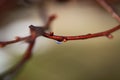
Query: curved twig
(106, 33)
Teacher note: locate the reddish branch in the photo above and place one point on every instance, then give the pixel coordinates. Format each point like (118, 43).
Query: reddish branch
(106, 33)
(17, 68)
(42, 31)
(105, 4)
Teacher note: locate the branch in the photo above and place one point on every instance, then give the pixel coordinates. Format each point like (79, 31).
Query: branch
(42, 31)
(9, 75)
(17, 39)
(35, 32)
(109, 8)
(106, 33)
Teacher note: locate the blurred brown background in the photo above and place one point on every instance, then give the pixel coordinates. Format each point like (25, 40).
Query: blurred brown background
(91, 59)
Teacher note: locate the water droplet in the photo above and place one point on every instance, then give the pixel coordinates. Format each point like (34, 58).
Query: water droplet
(58, 42)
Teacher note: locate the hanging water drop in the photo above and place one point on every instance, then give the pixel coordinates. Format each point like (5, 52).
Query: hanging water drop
(58, 42)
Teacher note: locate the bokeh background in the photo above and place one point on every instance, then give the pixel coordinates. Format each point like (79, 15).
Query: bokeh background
(91, 59)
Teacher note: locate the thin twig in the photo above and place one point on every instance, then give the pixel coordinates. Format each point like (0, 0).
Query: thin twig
(106, 33)
(17, 39)
(109, 8)
(9, 75)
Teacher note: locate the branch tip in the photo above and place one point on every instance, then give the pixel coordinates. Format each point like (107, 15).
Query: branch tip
(52, 17)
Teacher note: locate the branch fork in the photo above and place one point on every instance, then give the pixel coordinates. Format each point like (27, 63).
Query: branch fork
(36, 31)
